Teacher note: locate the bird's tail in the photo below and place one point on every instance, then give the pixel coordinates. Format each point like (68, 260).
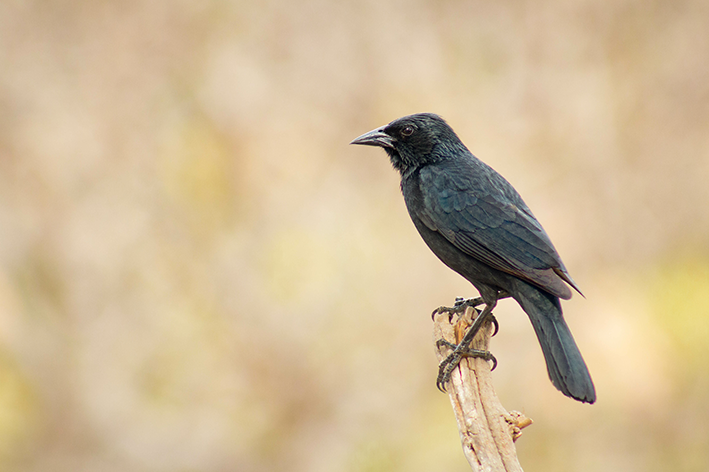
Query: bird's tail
(567, 370)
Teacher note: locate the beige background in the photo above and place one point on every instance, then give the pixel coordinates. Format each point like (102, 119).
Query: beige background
(197, 273)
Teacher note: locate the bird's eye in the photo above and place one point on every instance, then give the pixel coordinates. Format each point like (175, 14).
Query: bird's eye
(407, 131)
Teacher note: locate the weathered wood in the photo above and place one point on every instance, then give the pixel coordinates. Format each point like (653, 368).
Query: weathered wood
(487, 430)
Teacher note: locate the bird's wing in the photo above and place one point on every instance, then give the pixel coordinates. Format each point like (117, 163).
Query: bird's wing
(494, 227)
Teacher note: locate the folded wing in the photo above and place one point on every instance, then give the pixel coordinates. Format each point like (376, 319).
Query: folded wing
(495, 228)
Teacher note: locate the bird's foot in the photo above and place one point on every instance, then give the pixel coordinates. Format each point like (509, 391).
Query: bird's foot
(460, 351)
(463, 349)
(461, 304)
(459, 307)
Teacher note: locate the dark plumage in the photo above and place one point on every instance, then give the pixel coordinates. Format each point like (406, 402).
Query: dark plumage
(478, 225)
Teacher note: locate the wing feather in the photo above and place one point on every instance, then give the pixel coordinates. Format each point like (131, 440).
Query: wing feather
(497, 229)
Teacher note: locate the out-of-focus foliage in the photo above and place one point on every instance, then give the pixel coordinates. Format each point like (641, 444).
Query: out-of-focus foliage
(197, 272)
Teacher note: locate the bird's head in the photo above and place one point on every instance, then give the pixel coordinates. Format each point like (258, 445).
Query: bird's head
(414, 141)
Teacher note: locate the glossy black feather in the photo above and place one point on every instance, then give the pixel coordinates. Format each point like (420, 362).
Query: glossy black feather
(480, 227)
(484, 217)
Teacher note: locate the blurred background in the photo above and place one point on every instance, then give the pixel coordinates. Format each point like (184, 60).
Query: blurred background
(197, 273)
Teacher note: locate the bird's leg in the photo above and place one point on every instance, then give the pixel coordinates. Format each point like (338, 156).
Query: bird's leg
(462, 303)
(446, 367)
(458, 308)
(469, 352)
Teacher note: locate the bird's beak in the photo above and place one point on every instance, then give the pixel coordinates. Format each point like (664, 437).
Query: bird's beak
(376, 137)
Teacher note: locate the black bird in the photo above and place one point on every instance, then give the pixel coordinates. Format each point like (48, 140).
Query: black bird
(478, 225)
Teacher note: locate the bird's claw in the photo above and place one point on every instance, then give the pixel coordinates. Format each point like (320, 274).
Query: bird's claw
(463, 349)
(493, 320)
(459, 307)
(446, 367)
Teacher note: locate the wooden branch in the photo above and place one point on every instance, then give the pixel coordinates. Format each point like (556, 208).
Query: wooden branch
(487, 430)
